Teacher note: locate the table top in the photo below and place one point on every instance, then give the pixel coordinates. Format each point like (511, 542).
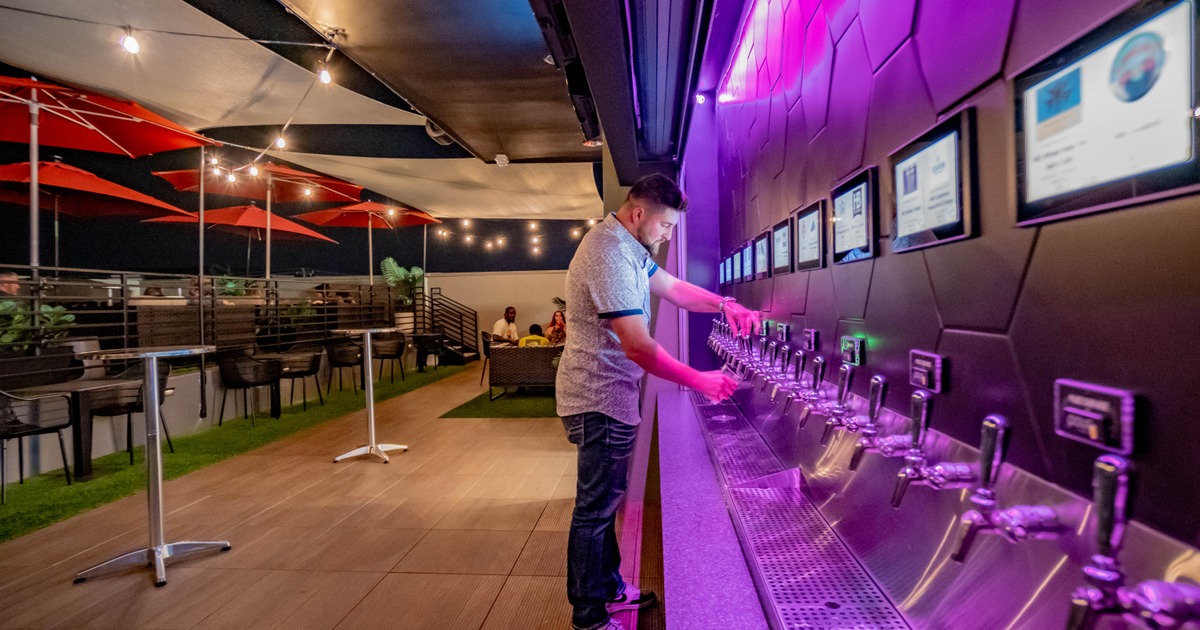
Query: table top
(359, 331)
(78, 385)
(279, 356)
(147, 352)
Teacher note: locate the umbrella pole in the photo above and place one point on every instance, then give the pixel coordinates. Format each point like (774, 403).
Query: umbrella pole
(200, 293)
(249, 233)
(268, 225)
(56, 263)
(34, 257)
(371, 250)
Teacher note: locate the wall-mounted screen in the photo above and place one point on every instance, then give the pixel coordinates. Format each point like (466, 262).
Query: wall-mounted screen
(737, 267)
(810, 237)
(933, 181)
(854, 217)
(1108, 121)
(781, 247)
(748, 262)
(762, 256)
(721, 273)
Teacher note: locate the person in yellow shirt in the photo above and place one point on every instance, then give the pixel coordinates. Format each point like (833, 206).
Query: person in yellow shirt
(534, 338)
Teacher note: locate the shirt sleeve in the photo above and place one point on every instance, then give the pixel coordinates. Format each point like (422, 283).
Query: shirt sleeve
(615, 288)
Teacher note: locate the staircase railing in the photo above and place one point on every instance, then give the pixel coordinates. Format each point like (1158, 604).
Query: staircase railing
(459, 322)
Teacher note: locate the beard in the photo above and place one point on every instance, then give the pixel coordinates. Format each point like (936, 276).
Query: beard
(651, 247)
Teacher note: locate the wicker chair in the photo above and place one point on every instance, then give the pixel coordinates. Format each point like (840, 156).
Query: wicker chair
(485, 346)
(343, 353)
(389, 348)
(242, 371)
(126, 401)
(306, 363)
(532, 366)
(21, 417)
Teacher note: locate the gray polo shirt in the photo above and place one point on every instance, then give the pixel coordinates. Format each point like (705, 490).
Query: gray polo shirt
(609, 277)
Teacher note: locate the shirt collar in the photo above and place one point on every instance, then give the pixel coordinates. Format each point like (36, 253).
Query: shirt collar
(628, 240)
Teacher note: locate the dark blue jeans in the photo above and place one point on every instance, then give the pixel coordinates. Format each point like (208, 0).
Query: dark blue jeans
(593, 559)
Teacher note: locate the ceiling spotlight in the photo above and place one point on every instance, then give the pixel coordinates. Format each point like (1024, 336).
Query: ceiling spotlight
(501, 159)
(323, 74)
(533, 225)
(130, 43)
(231, 178)
(593, 142)
(466, 223)
(280, 142)
(253, 171)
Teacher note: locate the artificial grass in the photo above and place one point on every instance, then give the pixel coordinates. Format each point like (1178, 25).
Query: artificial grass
(510, 405)
(46, 499)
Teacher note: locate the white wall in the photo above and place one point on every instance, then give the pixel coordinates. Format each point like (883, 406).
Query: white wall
(489, 293)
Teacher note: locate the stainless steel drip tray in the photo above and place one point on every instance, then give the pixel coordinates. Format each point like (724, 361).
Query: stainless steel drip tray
(805, 575)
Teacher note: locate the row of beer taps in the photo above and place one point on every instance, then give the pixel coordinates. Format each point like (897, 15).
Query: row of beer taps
(772, 367)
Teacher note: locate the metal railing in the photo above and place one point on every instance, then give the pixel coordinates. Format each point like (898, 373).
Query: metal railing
(459, 322)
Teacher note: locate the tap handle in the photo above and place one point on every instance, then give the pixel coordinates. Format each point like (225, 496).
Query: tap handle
(762, 347)
(845, 375)
(919, 417)
(992, 447)
(818, 372)
(875, 398)
(1110, 490)
(860, 449)
(784, 354)
(773, 350)
(800, 359)
(1084, 608)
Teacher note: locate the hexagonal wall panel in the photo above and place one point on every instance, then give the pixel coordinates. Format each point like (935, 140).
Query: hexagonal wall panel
(820, 310)
(851, 284)
(808, 8)
(900, 107)
(959, 49)
(791, 292)
(1114, 299)
(818, 66)
(1002, 249)
(885, 24)
(1043, 26)
(900, 314)
(774, 41)
(982, 379)
(795, 158)
(850, 95)
(792, 53)
(839, 14)
(776, 148)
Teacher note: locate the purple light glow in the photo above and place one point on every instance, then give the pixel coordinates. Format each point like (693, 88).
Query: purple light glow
(740, 83)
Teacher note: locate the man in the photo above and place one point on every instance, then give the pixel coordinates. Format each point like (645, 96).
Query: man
(534, 338)
(505, 328)
(9, 284)
(609, 283)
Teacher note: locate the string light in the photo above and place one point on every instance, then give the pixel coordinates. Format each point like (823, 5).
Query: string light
(488, 244)
(533, 225)
(575, 232)
(466, 223)
(280, 142)
(129, 43)
(391, 212)
(253, 171)
(323, 74)
(537, 250)
(214, 161)
(591, 222)
(307, 192)
(470, 238)
(231, 178)
(535, 239)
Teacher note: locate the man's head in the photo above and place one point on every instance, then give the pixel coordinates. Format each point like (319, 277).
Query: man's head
(535, 329)
(8, 283)
(510, 314)
(652, 209)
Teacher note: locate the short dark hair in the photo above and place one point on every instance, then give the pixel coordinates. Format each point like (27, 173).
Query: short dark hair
(535, 329)
(658, 190)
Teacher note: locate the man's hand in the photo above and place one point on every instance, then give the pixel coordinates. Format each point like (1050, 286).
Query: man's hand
(715, 385)
(741, 319)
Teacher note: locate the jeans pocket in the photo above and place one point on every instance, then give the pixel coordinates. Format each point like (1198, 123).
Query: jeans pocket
(574, 428)
(620, 436)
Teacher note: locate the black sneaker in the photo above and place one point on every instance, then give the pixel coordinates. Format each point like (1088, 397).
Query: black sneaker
(632, 599)
(611, 624)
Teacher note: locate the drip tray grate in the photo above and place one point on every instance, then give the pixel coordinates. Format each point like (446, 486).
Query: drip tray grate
(810, 577)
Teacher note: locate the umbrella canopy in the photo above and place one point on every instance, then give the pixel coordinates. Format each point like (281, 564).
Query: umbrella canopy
(284, 184)
(36, 112)
(368, 214)
(249, 220)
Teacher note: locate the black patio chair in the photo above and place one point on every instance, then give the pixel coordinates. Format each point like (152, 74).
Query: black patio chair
(126, 401)
(22, 417)
(343, 353)
(306, 363)
(389, 348)
(242, 371)
(485, 344)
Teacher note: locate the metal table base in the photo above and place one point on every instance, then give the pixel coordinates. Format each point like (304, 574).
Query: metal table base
(159, 551)
(371, 448)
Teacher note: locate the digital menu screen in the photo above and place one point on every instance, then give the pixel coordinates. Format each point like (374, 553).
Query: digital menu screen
(737, 268)
(721, 273)
(781, 247)
(748, 261)
(810, 241)
(1108, 118)
(854, 218)
(933, 180)
(762, 256)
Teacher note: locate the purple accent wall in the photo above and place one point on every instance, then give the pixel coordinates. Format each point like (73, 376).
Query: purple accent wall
(1111, 298)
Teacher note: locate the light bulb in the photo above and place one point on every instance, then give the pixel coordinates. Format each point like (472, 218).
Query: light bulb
(216, 170)
(280, 142)
(537, 250)
(488, 244)
(591, 222)
(391, 212)
(700, 99)
(466, 223)
(307, 192)
(533, 225)
(213, 161)
(575, 232)
(535, 239)
(470, 238)
(130, 43)
(231, 178)
(323, 74)
(253, 171)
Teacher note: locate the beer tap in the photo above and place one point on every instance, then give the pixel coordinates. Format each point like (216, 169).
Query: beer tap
(770, 351)
(798, 361)
(868, 423)
(811, 396)
(915, 470)
(779, 365)
(836, 412)
(1110, 490)
(1160, 604)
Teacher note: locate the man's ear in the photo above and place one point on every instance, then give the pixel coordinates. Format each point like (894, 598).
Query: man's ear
(637, 214)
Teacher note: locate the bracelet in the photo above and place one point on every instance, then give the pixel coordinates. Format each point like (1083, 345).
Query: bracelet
(725, 300)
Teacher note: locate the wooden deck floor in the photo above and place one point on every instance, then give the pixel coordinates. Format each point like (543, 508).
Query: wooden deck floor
(466, 530)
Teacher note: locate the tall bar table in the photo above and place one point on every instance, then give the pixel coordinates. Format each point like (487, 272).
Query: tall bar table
(371, 448)
(159, 551)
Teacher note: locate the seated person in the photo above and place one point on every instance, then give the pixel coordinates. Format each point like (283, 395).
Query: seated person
(534, 338)
(505, 328)
(556, 331)
(9, 283)
(152, 292)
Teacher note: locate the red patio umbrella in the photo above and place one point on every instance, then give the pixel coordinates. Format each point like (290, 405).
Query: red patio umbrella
(249, 220)
(368, 214)
(273, 183)
(77, 192)
(37, 112)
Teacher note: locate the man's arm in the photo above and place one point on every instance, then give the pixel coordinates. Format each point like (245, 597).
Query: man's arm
(643, 350)
(690, 297)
